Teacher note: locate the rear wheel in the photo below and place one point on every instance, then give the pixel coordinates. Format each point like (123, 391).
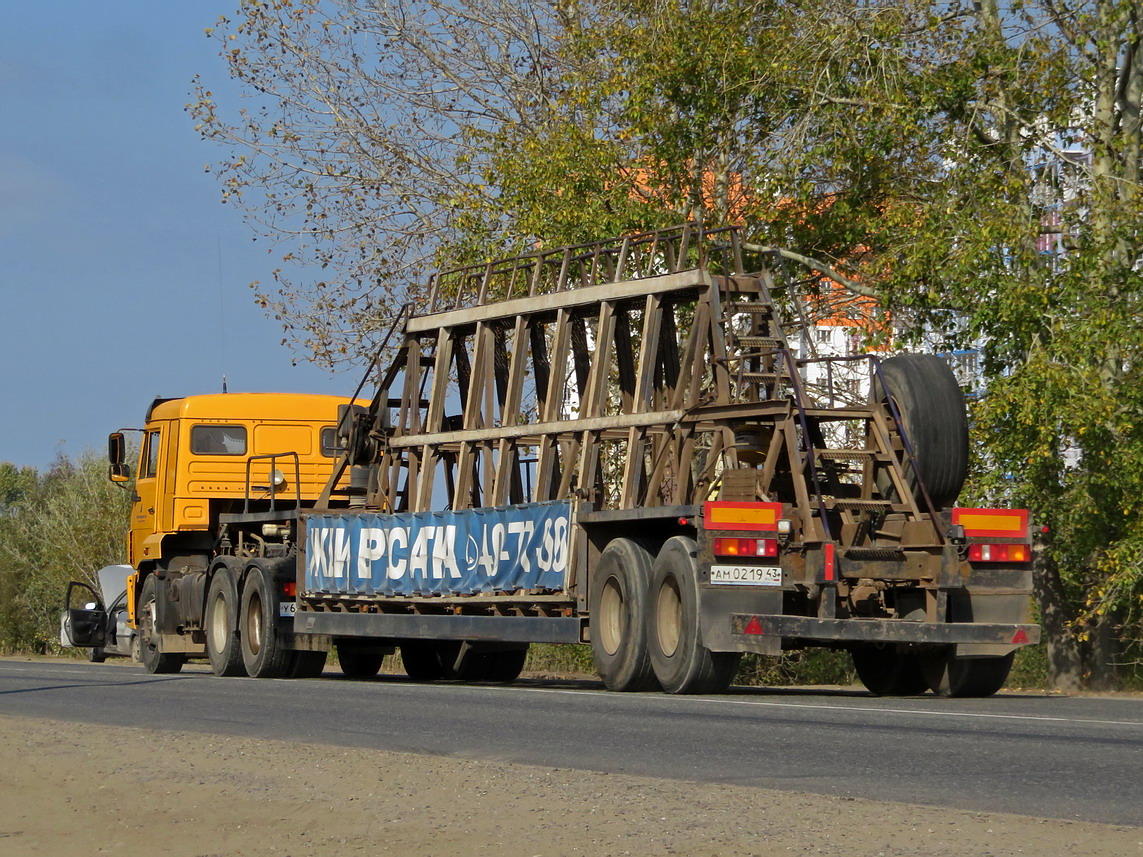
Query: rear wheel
(931, 406)
(356, 663)
(949, 675)
(221, 620)
(154, 661)
(307, 665)
(887, 671)
(617, 599)
(504, 665)
(263, 654)
(422, 660)
(680, 660)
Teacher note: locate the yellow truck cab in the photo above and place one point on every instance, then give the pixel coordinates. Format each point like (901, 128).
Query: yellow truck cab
(208, 457)
(204, 455)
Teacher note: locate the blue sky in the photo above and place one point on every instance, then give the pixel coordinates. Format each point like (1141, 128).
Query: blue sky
(122, 276)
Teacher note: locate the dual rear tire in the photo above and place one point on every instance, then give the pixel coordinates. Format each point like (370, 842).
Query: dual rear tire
(242, 631)
(645, 621)
(892, 671)
(427, 660)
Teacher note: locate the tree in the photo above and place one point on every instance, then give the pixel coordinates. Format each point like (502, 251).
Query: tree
(359, 153)
(66, 524)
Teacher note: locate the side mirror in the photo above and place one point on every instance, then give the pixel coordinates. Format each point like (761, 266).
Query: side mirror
(118, 471)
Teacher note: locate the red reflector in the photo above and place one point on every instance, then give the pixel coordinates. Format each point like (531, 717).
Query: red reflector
(1019, 637)
(830, 562)
(727, 546)
(290, 589)
(753, 626)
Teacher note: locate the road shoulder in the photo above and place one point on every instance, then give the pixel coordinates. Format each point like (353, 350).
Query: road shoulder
(73, 788)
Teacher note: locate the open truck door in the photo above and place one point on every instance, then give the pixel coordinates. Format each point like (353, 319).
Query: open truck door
(98, 621)
(84, 622)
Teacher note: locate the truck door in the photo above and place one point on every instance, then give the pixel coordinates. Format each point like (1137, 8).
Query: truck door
(143, 519)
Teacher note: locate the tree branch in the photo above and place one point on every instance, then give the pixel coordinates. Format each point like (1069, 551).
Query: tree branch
(821, 267)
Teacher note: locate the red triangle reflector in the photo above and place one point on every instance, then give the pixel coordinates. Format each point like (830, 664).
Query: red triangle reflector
(753, 626)
(1020, 637)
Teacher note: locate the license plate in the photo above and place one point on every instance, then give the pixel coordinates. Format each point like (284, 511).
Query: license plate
(746, 575)
(288, 608)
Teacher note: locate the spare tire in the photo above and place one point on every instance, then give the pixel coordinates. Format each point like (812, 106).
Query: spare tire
(931, 406)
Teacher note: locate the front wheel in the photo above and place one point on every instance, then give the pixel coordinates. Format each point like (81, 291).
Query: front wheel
(154, 661)
(680, 660)
(263, 654)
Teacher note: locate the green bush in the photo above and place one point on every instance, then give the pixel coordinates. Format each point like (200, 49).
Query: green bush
(59, 526)
(560, 659)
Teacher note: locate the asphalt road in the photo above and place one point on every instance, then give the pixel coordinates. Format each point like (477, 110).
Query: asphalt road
(1069, 758)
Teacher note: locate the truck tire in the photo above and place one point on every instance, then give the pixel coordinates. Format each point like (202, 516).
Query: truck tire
(617, 600)
(307, 664)
(154, 661)
(931, 405)
(355, 663)
(887, 671)
(459, 661)
(463, 661)
(505, 665)
(422, 660)
(949, 675)
(263, 653)
(681, 662)
(221, 621)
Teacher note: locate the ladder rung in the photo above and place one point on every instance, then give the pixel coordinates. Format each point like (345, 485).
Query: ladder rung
(846, 454)
(856, 505)
(763, 377)
(848, 412)
(874, 553)
(753, 307)
(760, 341)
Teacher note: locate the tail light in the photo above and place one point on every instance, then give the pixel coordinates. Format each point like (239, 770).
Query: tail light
(725, 546)
(290, 588)
(999, 553)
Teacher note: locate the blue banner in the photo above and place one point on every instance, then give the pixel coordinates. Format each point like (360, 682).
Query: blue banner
(474, 550)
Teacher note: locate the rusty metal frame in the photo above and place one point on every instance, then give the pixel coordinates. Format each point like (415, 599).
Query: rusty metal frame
(630, 374)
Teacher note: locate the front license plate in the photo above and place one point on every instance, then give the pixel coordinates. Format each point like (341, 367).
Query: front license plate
(747, 575)
(288, 608)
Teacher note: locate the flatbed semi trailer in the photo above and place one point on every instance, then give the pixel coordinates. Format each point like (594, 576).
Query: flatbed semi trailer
(612, 444)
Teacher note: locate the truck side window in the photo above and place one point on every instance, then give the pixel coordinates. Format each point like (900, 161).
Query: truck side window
(150, 456)
(331, 446)
(218, 440)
